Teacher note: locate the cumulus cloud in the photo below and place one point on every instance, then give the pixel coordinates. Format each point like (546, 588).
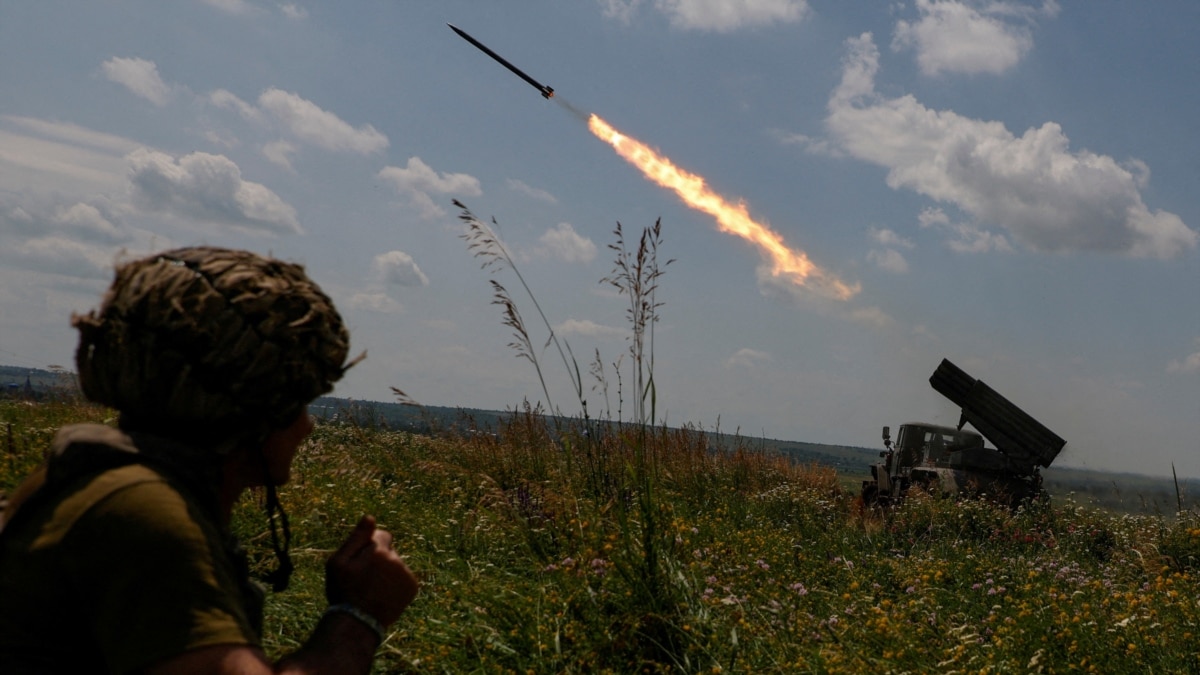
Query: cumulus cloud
(60, 255)
(1042, 193)
(888, 259)
(747, 358)
(293, 11)
(34, 165)
(621, 10)
(970, 37)
(302, 119)
(421, 182)
(1188, 365)
(394, 268)
(963, 237)
(73, 134)
(713, 15)
(886, 237)
(280, 153)
(223, 98)
(810, 144)
(56, 215)
(399, 269)
(923, 331)
(208, 188)
(289, 10)
(138, 76)
(870, 316)
(79, 221)
(309, 123)
(536, 193)
(235, 7)
(375, 302)
(563, 243)
(87, 220)
(587, 327)
(76, 241)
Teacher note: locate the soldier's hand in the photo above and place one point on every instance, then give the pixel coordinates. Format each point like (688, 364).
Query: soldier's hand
(367, 573)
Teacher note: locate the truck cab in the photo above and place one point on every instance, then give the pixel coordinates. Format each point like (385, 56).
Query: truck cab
(918, 443)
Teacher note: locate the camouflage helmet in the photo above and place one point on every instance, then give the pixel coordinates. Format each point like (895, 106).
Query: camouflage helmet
(210, 343)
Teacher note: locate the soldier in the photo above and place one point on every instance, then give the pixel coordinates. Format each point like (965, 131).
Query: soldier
(116, 555)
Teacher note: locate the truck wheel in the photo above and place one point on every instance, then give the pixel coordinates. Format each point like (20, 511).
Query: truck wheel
(870, 496)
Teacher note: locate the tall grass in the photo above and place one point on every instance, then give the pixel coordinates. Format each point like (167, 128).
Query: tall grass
(768, 566)
(618, 464)
(626, 546)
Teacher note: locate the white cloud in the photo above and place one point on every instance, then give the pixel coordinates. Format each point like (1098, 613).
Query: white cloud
(73, 134)
(138, 76)
(524, 189)
(62, 210)
(811, 145)
(236, 7)
(728, 15)
(222, 138)
(420, 181)
(308, 122)
(399, 269)
(747, 358)
(563, 243)
(90, 223)
(207, 188)
(60, 255)
(375, 302)
(78, 221)
(712, 15)
(33, 165)
(621, 10)
(587, 327)
(229, 101)
(293, 11)
(886, 237)
(1189, 365)
(302, 119)
(280, 152)
(871, 316)
(394, 268)
(1043, 194)
(888, 259)
(969, 37)
(963, 237)
(923, 331)
(77, 240)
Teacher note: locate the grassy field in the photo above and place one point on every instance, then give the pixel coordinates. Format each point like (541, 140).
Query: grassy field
(547, 545)
(650, 551)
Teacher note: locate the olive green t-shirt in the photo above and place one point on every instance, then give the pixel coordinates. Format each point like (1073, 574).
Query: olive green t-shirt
(120, 572)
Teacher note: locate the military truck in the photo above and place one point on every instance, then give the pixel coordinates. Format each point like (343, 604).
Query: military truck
(951, 461)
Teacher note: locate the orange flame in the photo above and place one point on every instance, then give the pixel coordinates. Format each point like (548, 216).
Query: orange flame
(734, 219)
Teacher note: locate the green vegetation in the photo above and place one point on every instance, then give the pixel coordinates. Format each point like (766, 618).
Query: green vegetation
(549, 544)
(537, 556)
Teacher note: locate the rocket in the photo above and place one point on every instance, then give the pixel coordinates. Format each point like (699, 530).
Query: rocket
(547, 92)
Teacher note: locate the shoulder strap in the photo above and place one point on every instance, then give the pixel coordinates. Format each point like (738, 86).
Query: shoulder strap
(78, 451)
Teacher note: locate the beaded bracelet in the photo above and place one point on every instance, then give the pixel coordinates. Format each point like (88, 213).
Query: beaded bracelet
(366, 619)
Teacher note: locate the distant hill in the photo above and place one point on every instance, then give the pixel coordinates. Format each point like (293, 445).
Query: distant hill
(1120, 492)
(429, 418)
(16, 381)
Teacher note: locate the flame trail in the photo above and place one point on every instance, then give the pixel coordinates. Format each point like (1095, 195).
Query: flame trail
(734, 219)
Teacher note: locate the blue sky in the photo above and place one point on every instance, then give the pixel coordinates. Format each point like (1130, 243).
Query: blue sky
(1010, 185)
